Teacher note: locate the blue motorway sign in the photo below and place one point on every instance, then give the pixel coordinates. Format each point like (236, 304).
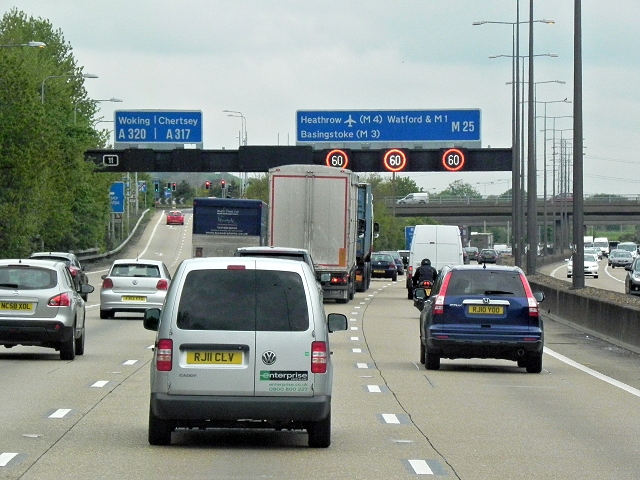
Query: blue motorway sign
(116, 195)
(158, 126)
(363, 126)
(408, 236)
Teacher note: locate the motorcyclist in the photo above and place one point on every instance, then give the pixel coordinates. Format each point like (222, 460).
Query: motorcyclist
(425, 272)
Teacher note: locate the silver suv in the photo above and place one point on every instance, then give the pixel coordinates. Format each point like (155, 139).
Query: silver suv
(242, 342)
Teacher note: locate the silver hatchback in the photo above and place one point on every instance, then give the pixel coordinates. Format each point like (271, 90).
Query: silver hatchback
(41, 305)
(133, 285)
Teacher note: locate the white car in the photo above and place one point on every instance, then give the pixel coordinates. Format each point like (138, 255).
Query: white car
(591, 265)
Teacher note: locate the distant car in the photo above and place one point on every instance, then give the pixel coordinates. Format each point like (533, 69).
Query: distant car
(488, 255)
(481, 312)
(75, 268)
(398, 259)
(405, 258)
(383, 266)
(41, 305)
(418, 197)
(620, 258)
(472, 252)
(175, 217)
(593, 251)
(133, 285)
(591, 266)
(562, 197)
(632, 280)
(630, 247)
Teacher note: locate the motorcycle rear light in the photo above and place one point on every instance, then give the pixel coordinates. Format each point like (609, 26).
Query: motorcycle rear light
(107, 283)
(319, 357)
(164, 355)
(162, 284)
(62, 300)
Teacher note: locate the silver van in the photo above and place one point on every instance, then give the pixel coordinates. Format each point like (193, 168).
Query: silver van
(418, 197)
(242, 342)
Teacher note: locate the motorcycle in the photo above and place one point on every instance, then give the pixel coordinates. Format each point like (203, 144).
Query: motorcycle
(427, 285)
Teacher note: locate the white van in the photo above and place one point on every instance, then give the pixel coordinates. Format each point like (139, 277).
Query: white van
(603, 244)
(441, 244)
(419, 197)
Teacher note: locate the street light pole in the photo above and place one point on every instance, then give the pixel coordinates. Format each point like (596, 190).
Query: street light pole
(84, 75)
(75, 105)
(28, 44)
(578, 194)
(242, 141)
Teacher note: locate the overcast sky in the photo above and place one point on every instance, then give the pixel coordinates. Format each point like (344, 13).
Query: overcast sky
(270, 58)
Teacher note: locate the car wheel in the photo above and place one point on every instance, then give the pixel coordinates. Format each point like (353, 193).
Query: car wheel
(68, 347)
(422, 353)
(595, 276)
(395, 277)
(522, 362)
(320, 433)
(409, 294)
(613, 266)
(534, 364)
(432, 361)
(159, 430)
(80, 344)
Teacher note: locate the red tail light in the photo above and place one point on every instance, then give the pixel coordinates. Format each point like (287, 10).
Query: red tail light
(62, 300)
(319, 357)
(531, 300)
(107, 283)
(340, 280)
(74, 270)
(162, 284)
(164, 355)
(438, 305)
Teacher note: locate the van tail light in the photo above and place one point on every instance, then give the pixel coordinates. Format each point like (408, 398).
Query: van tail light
(162, 284)
(62, 300)
(107, 283)
(438, 305)
(531, 300)
(319, 357)
(410, 270)
(164, 355)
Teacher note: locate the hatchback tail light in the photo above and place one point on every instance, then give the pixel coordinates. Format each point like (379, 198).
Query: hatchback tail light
(62, 300)
(164, 355)
(162, 284)
(438, 305)
(319, 357)
(107, 283)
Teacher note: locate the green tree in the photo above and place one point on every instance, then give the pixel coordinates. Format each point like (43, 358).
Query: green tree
(258, 188)
(460, 189)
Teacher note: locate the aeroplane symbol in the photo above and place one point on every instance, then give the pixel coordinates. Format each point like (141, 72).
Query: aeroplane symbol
(350, 121)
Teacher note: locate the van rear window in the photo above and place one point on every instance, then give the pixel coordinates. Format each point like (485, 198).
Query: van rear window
(243, 300)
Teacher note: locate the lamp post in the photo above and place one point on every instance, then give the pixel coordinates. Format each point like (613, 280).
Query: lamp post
(28, 44)
(84, 75)
(242, 140)
(75, 105)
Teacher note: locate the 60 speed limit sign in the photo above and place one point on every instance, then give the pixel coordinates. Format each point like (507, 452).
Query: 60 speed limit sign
(453, 160)
(394, 160)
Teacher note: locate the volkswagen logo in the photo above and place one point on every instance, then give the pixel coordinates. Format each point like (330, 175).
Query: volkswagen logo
(268, 357)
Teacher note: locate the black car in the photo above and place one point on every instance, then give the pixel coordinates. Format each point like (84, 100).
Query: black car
(76, 269)
(476, 311)
(488, 255)
(396, 258)
(383, 266)
(632, 280)
(472, 252)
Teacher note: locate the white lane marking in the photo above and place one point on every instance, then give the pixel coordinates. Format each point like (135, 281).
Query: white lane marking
(5, 458)
(362, 365)
(374, 388)
(354, 328)
(130, 362)
(593, 373)
(100, 383)
(390, 418)
(60, 413)
(357, 307)
(353, 319)
(356, 350)
(355, 339)
(151, 237)
(420, 467)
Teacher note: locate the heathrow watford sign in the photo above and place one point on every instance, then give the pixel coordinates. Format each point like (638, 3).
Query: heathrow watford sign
(459, 127)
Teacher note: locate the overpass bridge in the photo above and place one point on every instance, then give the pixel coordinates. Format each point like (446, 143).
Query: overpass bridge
(496, 211)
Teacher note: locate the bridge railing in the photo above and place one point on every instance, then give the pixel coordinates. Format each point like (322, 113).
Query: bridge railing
(506, 200)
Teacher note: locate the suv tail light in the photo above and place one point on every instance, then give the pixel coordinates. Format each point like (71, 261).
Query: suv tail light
(107, 283)
(164, 355)
(438, 305)
(162, 284)
(62, 300)
(531, 300)
(319, 357)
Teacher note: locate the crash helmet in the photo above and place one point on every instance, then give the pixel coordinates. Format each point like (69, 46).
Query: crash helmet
(425, 261)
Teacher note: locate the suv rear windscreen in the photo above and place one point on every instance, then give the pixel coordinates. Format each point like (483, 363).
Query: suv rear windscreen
(485, 282)
(243, 300)
(27, 278)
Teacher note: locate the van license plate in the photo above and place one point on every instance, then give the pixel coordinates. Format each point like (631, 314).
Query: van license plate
(16, 306)
(131, 298)
(486, 310)
(214, 358)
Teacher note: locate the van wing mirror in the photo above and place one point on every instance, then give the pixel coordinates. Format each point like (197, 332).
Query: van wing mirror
(151, 320)
(337, 322)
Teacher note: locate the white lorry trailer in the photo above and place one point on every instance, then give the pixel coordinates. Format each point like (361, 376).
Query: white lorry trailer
(315, 207)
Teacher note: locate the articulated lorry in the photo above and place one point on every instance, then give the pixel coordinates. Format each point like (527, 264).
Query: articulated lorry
(221, 225)
(367, 231)
(316, 208)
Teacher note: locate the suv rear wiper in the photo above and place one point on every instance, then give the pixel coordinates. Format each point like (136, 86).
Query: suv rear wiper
(497, 292)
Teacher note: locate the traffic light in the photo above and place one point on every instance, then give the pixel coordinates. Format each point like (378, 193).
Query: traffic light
(207, 185)
(169, 186)
(173, 186)
(223, 188)
(223, 184)
(156, 187)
